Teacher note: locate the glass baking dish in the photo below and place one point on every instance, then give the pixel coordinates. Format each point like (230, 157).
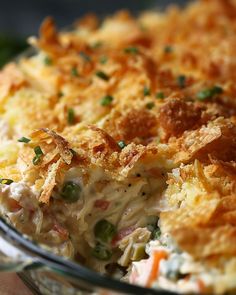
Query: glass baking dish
(48, 274)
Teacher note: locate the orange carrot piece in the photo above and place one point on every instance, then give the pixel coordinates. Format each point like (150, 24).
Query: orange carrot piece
(157, 257)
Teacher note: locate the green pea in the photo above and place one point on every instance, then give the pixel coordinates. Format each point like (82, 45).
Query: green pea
(104, 231)
(70, 192)
(101, 252)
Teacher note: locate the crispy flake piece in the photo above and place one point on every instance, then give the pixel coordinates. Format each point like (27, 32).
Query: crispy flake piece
(61, 144)
(50, 182)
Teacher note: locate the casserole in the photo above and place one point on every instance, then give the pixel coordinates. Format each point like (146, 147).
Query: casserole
(118, 149)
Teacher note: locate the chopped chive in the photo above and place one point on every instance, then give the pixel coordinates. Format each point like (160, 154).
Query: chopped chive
(36, 160)
(106, 100)
(71, 116)
(181, 80)
(104, 231)
(209, 92)
(150, 105)
(122, 144)
(38, 155)
(168, 49)
(97, 44)
(47, 61)
(74, 72)
(85, 56)
(146, 91)
(70, 192)
(101, 252)
(102, 75)
(24, 139)
(60, 94)
(38, 151)
(103, 59)
(6, 181)
(132, 50)
(160, 95)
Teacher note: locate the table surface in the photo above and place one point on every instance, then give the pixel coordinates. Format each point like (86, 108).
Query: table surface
(10, 284)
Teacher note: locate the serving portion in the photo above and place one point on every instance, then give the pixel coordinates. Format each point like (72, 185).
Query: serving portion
(118, 145)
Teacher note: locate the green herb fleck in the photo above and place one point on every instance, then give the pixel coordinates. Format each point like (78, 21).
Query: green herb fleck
(101, 252)
(47, 61)
(24, 139)
(38, 154)
(102, 75)
(160, 95)
(103, 59)
(150, 105)
(6, 181)
(209, 92)
(70, 192)
(106, 100)
(132, 50)
(38, 151)
(85, 56)
(122, 144)
(146, 91)
(97, 44)
(168, 49)
(60, 94)
(181, 80)
(74, 72)
(104, 231)
(71, 116)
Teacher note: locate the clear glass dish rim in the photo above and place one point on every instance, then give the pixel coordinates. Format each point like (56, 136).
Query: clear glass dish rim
(69, 268)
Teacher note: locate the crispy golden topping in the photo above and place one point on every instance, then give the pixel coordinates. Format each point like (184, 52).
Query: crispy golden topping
(157, 89)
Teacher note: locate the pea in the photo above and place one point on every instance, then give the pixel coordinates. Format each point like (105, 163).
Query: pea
(70, 192)
(104, 231)
(101, 252)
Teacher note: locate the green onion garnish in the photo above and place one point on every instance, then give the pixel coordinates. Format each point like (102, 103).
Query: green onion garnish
(74, 72)
(6, 181)
(47, 61)
(38, 151)
(24, 139)
(104, 231)
(101, 252)
(71, 116)
(38, 154)
(60, 94)
(160, 95)
(70, 192)
(106, 100)
(209, 92)
(168, 49)
(150, 105)
(85, 56)
(132, 50)
(122, 144)
(97, 44)
(103, 59)
(181, 80)
(146, 91)
(102, 75)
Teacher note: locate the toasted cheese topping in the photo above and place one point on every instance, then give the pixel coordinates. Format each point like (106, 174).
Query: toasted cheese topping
(120, 136)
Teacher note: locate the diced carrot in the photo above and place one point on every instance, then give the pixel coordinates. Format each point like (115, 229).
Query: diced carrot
(121, 234)
(201, 286)
(157, 257)
(14, 205)
(101, 204)
(63, 233)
